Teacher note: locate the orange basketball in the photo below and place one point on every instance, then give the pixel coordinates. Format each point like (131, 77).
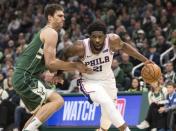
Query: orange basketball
(151, 73)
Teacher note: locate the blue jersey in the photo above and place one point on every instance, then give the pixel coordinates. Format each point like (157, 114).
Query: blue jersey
(171, 101)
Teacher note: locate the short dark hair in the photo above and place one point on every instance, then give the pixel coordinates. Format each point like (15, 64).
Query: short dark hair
(170, 83)
(97, 26)
(50, 9)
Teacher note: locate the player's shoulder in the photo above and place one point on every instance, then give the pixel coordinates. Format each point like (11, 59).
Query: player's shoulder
(79, 44)
(48, 33)
(49, 30)
(113, 36)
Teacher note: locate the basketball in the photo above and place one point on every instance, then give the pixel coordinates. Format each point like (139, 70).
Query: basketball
(151, 73)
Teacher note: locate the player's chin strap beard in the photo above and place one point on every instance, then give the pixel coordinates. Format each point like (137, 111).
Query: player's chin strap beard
(95, 50)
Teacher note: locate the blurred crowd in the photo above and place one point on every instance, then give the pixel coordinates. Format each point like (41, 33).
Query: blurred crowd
(148, 25)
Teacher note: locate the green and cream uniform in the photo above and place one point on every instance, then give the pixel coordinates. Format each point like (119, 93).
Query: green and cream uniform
(26, 79)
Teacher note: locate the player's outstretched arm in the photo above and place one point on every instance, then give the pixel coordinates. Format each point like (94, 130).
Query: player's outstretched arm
(50, 37)
(116, 44)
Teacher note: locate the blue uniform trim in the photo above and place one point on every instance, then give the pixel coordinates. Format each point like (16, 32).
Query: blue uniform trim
(86, 94)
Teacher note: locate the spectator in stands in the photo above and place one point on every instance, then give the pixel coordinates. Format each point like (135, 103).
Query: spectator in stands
(14, 25)
(148, 21)
(173, 38)
(110, 17)
(21, 115)
(126, 66)
(87, 18)
(56, 82)
(153, 55)
(21, 42)
(3, 96)
(135, 85)
(169, 74)
(19, 49)
(135, 27)
(154, 120)
(170, 106)
(162, 44)
(76, 33)
(64, 81)
(1, 79)
(72, 86)
(8, 64)
(7, 107)
(7, 81)
(139, 40)
(119, 74)
(157, 33)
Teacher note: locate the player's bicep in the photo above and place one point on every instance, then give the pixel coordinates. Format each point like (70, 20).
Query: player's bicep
(76, 49)
(115, 42)
(50, 42)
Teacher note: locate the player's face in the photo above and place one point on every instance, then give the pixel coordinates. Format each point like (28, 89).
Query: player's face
(58, 19)
(97, 39)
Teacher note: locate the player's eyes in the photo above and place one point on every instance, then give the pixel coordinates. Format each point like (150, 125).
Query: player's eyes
(93, 36)
(61, 15)
(101, 36)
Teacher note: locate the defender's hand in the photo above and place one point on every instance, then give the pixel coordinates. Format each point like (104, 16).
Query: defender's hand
(83, 68)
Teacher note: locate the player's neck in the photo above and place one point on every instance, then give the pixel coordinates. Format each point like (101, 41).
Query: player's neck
(53, 27)
(93, 50)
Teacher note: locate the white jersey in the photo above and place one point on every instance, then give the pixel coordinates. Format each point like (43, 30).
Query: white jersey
(100, 63)
(100, 87)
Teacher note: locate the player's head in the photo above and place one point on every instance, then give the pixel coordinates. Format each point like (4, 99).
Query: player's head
(97, 33)
(54, 14)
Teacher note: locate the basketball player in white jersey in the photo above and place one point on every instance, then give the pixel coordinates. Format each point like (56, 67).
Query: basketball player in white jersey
(100, 86)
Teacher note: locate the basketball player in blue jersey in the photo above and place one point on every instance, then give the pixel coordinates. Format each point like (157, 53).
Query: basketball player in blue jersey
(97, 53)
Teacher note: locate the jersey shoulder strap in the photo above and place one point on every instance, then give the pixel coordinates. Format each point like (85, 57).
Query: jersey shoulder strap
(87, 47)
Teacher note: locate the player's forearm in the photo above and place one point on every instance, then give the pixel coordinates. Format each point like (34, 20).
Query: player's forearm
(61, 65)
(133, 52)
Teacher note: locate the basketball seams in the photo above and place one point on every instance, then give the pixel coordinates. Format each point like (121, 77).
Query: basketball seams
(159, 72)
(153, 72)
(150, 73)
(145, 72)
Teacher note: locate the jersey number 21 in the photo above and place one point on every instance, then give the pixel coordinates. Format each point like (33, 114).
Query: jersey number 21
(97, 68)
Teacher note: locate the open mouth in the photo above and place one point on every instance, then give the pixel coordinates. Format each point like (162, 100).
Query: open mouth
(98, 47)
